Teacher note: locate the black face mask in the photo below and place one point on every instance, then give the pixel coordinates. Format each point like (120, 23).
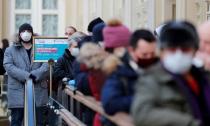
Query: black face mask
(145, 63)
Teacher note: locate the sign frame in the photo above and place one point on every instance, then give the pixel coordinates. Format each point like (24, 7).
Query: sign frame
(43, 37)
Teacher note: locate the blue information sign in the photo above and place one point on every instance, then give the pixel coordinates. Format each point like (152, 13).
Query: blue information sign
(46, 48)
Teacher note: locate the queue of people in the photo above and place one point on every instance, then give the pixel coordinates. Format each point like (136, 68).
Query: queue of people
(160, 78)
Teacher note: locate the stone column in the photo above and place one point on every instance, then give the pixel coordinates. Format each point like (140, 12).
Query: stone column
(71, 12)
(201, 10)
(127, 5)
(143, 14)
(1, 19)
(99, 8)
(181, 10)
(85, 14)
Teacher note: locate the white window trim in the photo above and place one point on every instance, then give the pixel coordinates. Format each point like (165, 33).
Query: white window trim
(36, 13)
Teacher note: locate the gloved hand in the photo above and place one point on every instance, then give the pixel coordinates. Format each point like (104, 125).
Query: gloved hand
(65, 82)
(33, 78)
(72, 85)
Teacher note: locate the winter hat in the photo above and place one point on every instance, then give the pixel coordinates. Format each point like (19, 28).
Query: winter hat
(97, 32)
(24, 27)
(178, 34)
(76, 37)
(93, 23)
(158, 30)
(116, 34)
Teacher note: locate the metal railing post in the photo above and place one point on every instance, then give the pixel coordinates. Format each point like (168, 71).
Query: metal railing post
(51, 62)
(29, 104)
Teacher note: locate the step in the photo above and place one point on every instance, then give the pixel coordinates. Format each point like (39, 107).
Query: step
(4, 121)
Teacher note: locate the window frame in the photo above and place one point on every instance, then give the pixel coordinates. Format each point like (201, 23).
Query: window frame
(36, 11)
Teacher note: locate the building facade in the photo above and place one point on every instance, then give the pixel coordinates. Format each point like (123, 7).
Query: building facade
(50, 17)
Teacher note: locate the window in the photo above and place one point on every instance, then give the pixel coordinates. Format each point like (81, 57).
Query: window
(46, 16)
(20, 19)
(50, 4)
(49, 25)
(22, 4)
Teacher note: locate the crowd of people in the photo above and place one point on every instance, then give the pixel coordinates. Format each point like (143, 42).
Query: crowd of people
(160, 78)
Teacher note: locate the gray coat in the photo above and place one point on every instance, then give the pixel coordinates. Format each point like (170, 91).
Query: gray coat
(19, 67)
(158, 101)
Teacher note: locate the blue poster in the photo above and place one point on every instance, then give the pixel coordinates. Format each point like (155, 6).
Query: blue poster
(49, 48)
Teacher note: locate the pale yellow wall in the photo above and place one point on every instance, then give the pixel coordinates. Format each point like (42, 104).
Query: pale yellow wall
(74, 14)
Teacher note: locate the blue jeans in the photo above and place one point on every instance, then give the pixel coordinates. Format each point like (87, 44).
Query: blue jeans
(17, 116)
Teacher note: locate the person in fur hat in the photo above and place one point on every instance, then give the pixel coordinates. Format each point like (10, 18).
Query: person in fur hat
(91, 58)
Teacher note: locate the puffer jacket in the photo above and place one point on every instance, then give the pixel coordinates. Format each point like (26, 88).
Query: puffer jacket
(18, 68)
(118, 90)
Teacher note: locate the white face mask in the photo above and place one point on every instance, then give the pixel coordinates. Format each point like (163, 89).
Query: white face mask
(75, 52)
(178, 62)
(26, 36)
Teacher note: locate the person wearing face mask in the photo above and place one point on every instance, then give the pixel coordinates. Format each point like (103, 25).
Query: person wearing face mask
(118, 90)
(202, 58)
(143, 48)
(173, 92)
(19, 67)
(63, 67)
(70, 30)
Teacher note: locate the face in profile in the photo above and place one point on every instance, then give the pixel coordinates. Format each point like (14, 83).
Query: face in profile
(69, 31)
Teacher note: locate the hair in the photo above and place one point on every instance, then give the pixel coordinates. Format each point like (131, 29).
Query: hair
(141, 34)
(72, 28)
(114, 22)
(5, 43)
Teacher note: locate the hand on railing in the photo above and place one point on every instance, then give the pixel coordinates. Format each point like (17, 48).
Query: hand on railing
(31, 76)
(70, 83)
(65, 82)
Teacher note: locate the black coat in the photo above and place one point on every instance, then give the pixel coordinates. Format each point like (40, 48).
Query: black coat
(2, 70)
(64, 66)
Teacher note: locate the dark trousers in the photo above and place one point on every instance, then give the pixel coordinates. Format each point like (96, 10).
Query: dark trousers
(17, 116)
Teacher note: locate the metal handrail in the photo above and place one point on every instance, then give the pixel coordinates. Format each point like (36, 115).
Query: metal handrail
(120, 119)
(67, 116)
(29, 104)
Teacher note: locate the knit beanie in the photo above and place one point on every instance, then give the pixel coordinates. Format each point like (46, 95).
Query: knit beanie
(93, 23)
(24, 27)
(97, 32)
(116, 34)
(76, 37)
